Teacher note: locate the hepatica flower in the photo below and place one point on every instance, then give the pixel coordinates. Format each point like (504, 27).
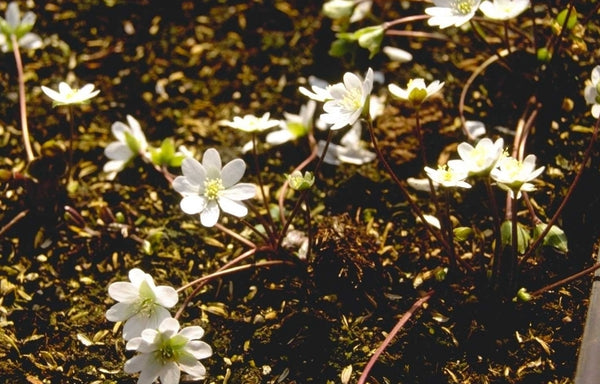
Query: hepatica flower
(12, 24)
(141, 304)
(503, 9)
(416, 90)
(165, 351)
(67, 95)
(208, 188)
(251, 123)
(130, 143)
(515, 176)
(592, 92)
(294, 126)
(347, 100)
(448, 177)
(451, 12)
(478, 160)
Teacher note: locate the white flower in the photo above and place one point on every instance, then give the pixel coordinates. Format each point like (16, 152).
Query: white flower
(397, 54)
(67, 95)
(350, 151)
(514, 176)
(347, 100)
(475, 128)
(448, 177)
(451, 12)
(130, 143)
(362, 9)
(294, 126)
(592, 92)
(355, 10)
(503, 9)
(207, 188)
(12, 24)
(337, 9)
(478, 160)
(251, 123)
(141, 304)
(416, 91)
(165, 351)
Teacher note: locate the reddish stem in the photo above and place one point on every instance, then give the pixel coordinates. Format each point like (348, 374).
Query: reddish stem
(407, 315)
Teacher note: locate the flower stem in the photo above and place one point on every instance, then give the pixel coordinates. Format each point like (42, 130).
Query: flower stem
(407, 315)
(415, 208)
(566, 280)
(22, 101)
(236, 236)
(563, 203)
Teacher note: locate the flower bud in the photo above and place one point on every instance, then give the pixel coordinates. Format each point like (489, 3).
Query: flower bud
(299, 182)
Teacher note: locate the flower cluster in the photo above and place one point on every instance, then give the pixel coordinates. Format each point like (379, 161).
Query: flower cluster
(163, 349)
(13, 25)
(487, 158)
(448, 13)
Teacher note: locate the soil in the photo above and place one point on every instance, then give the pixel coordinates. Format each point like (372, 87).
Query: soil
(181, 67)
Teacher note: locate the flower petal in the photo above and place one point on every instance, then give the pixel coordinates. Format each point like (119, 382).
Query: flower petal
(211, 159)
(240, 191)
(118, 151)
(232, 172)
(166, 296)
(170, 374)
(233, 207)
(193, 204)
(210, 215)
(199, 349)
(120, 312)
(194, 171)
(123, 291)
(193, 332)
(183, 185)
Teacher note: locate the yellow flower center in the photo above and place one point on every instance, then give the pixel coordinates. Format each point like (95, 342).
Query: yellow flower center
(478, 156)
(213, 188)
(512, 167)
(352, 99)
(464, 7)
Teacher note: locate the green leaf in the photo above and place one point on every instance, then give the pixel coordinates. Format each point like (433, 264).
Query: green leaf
(341, 47)
(462, 233)
(555, 238)
(523, 237)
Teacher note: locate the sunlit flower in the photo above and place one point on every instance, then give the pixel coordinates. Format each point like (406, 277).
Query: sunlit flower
(514, 175)
(503, 9)
(362, 9)
(416, 91)
(165, 351)
(348, 99)
(478, 160)
(208, 188)
(352, 149)
(448, 177)
(141, 304)
(130, 143)
(12, 24)
(592, 92)
(251, 123)
(67, 95)
(451, 12)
